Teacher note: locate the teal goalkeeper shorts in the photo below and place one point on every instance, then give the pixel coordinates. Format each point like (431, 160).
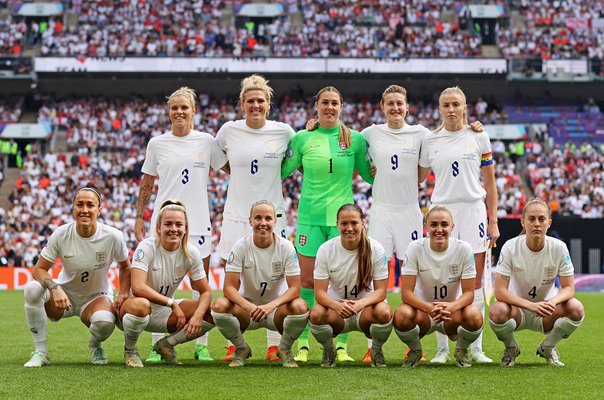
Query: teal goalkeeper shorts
(310, 237)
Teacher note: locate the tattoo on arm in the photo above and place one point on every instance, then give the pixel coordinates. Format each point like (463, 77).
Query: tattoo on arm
(143, 197)
(506, 278)
(50, 284)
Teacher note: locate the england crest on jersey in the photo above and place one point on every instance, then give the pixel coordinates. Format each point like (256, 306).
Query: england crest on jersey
(101, 256)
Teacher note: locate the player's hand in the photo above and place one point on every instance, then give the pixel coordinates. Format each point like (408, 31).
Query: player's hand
(476, 126)
(181, 320)
(262, 312)
(435, 312)
(194, 327)
(345, 308)
(60, 299)
(444, 310)
(119, 300)
(312, 124)
(493, 232)
(543, 308)
(139, 229)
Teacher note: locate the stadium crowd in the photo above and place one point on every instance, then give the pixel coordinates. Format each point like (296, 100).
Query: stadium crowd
(570, 178)
(343, 28)
(10, 109)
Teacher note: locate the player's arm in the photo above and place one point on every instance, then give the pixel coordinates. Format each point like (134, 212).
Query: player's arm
(231, 291)
(488, 176)
(361, 161)
(138, 283)
(124, 283)
(292, 293)
(567, 290)
(409, 297)
(41, 274)
(343, 308)
(195, 323)
(504, 294)
(423, 173)
(144, 194)
(380, 290)
(293, 157)
(466, 298)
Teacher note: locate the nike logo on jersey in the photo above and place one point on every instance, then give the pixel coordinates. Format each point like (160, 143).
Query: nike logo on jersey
(68, 255)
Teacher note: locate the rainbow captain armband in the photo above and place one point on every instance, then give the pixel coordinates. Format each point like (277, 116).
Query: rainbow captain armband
(486, 159)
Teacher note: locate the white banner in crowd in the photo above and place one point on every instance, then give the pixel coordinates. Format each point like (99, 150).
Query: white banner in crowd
(506, 132)
(26, 131)
(270, 65)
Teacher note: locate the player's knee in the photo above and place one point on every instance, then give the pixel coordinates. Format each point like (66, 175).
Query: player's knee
(318, 316)
(221, 305)
(299, 306)
(34, 292)
(472, 317)
(574, 309)
(138, 306)
(404, 318)
(382, 313)
(102, 324)
(499, 312)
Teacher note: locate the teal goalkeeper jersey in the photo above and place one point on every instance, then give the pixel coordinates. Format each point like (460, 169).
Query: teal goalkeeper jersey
(328, 171)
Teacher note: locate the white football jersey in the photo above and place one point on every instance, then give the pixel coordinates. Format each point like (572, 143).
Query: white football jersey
(166, 269)
(532, 275)
(439, 274)
(86, 261)
(456, 159)
(182, 165)
(255, 157)
(263, 271)
(340, 266)
(395, 154)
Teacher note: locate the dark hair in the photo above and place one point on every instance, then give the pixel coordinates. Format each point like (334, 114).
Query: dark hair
(364, 267)
(89, 188)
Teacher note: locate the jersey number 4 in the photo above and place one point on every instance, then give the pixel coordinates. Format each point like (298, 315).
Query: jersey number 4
(533, 292)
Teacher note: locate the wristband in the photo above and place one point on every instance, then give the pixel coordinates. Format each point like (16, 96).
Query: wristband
(170, 302)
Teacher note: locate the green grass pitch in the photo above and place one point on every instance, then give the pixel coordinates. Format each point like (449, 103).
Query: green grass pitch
(71, 376)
